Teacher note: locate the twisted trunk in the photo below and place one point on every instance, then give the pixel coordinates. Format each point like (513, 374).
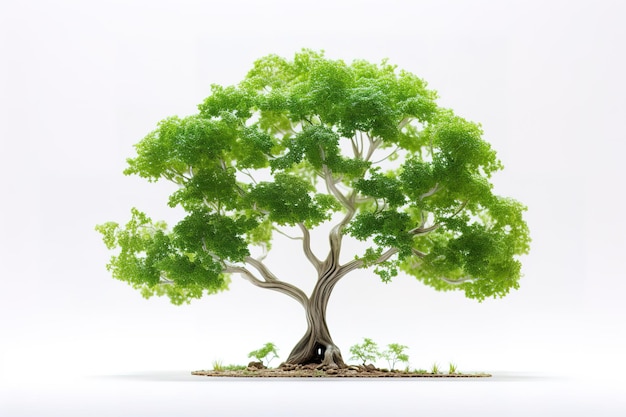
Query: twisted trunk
(317, 346)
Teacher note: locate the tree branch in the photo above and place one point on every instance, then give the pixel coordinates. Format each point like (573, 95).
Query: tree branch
(421, 230)
(267, 275)
(247, 173)
(404, 122)
(355, 147)
(306, 246)
(211, 254)
(331, 185)
(458, 281)
(358, 263)
(430, 192)
(285, 234)
(461, 207)
(388, 156)
(335, 236)
(362, 148)
(165, 281)
(280, 286)
(374, 144)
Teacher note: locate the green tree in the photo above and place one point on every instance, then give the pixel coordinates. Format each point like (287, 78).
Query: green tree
(366, 351)
(394, 354)
(265, 354)
(298, 143)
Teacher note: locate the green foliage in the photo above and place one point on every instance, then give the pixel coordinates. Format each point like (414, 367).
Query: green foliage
(288, 201)
(380, 186)
(452, 369)
(395, 353)
(220, 367)
(300, 140)
(160, 263)
(434, 369)
(265, 354)
(366, 351)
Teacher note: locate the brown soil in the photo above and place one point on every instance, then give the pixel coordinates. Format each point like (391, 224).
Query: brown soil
(315, 370)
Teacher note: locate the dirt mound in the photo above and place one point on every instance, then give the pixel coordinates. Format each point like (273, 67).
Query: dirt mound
(320, 371)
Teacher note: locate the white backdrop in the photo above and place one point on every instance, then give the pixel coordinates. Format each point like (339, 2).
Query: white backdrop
(81, 82)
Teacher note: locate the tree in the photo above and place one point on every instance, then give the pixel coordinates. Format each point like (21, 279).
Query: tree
(366, 351)
(299, 143)
(394, 354)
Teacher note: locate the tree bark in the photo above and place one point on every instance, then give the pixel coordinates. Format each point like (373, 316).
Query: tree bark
(317, 346)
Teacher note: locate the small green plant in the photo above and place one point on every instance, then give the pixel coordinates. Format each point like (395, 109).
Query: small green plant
(265, 354)
(435, 369)
(394, 354)
(420, 371)
(235, 367)
(220, 367)
(452, 369)
(366, 351)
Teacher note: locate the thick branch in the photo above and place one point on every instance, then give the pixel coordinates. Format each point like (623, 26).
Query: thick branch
(358, 263)
(306, 246)
(331, 185)
(335, 236)
(355, 147)
(276, 285)
(267, 275)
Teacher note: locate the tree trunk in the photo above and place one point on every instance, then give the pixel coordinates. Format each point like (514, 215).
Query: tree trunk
(317, 346)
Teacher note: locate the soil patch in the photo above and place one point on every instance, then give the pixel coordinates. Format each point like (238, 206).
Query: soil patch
(318, 371)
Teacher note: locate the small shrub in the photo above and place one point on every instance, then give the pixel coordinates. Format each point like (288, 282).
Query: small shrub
(366, 351)
(394, 354)
(265, 354)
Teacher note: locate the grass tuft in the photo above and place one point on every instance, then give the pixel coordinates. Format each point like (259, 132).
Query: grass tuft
(220, 367)
(435, 369)
(452, 368)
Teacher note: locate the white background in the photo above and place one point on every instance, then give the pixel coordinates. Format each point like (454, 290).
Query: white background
(81, 82)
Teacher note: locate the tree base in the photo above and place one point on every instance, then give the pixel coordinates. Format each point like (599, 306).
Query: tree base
(321, 371)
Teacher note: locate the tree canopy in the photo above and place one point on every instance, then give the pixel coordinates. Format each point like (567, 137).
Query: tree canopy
(313, 125)
(312, 140)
